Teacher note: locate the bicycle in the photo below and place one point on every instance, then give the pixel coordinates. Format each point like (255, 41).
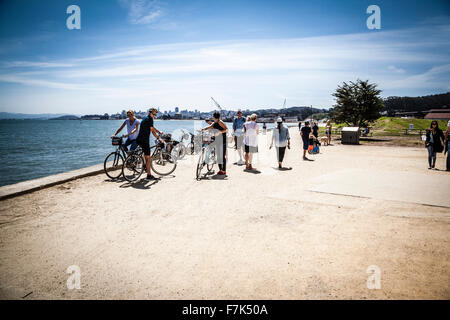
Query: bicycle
(114, 161)
(195, 145)
(161, 162)
(177, 148)
(207, 156)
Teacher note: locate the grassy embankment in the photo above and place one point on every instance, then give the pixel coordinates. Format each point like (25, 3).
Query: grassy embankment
(392, 131)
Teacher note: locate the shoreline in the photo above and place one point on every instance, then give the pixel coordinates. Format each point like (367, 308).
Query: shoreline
(32, 185)
(29, 186)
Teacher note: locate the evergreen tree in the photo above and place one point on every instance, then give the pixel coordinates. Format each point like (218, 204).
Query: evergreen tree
(357, 103)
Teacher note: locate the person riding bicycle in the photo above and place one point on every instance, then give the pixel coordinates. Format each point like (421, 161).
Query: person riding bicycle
(133, 130)
(220, 141)
(143, 138)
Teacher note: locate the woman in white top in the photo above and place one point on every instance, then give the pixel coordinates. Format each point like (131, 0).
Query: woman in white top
(132, 129)
(251, 129)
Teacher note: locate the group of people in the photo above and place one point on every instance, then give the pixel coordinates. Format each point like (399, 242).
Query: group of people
(437, 141)
(245, 133)
(138, 133)
(310, 136)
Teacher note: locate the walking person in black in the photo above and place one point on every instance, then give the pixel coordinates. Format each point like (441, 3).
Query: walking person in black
(304, 134)
(433, 143)
(220, 142)
(315, 130)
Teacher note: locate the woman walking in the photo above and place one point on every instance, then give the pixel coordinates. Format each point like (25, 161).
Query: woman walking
(328, 131)
(282, 140)
(447, 146)
(433, 143)
(251, 130)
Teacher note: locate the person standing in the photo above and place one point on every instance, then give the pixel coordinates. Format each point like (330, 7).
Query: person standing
(238, 132)
(328, 131)
(143, 138)
(304, 134)
(447, 145)
(264, 128)
(132, 131)
(315, 130)
(251, 129)
(433, 143)
(282, 140)
(220, 142)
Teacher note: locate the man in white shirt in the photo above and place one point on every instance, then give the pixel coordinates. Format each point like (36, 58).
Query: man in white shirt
(238, 132)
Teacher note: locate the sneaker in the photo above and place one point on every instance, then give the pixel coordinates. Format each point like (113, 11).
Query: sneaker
(305, 159)
(150, 177)
(221, 173)
(241, 162)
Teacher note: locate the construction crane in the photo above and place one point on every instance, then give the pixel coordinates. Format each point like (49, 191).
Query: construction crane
(216, 103)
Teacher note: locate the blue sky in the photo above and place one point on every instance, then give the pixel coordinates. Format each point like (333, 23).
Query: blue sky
(246, 54)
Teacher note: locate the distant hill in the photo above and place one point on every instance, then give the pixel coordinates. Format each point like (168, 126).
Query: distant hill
(67, 117)
(414, 104)
(21, 116)
(301, 112)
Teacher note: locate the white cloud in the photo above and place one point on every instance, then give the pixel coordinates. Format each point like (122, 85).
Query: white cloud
(395, 69)
(251, 73)
(142, 11)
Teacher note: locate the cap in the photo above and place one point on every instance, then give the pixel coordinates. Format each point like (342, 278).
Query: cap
(279, 119)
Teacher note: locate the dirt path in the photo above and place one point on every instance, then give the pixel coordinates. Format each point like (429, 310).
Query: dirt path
(254, 236)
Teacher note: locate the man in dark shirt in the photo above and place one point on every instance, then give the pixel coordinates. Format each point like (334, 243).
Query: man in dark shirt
(304, 133)
(315, 130)
(143, 139)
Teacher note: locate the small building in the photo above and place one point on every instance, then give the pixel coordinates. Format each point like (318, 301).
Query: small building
(291, 119)
(350, 135)
(438, 114)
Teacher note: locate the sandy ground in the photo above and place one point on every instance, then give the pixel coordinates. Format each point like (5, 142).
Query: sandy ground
(308, 233)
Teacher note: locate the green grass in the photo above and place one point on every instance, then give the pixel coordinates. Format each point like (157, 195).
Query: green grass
(389, 126)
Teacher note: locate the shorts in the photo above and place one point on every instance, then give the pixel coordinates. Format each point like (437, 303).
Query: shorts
(145, 147)
(249, 149)
(239, 141)
(305, 144)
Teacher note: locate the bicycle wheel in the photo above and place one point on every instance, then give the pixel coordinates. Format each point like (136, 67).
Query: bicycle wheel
(163, 163)
(175, 153)
(211, 160)
(133, 167)
(191, 148)
(182, 151)
(200, 164)
(113, 165)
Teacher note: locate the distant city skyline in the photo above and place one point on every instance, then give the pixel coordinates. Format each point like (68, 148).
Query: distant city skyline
(245, 54)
